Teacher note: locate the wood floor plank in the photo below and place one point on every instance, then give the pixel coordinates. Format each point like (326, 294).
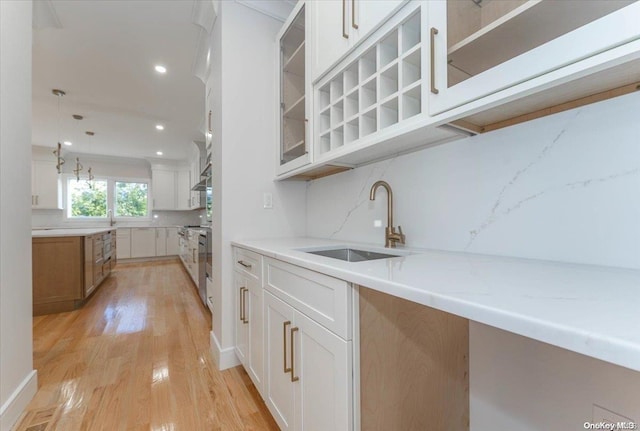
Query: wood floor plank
(137, 357)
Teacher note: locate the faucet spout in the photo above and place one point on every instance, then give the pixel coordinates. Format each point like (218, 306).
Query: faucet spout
(391, 236)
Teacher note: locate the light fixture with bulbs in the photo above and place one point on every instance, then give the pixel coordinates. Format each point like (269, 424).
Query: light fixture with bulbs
(58, 151)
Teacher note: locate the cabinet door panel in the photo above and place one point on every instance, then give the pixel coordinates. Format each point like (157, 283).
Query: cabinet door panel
(161, 241)
(242, 330)
(253, 307)
(143, 242)
(370, 13)
(329, 44)
(123, 251)
(46, 185)
(172, 241)
(324, 365)
(279, 392)
(163, 189)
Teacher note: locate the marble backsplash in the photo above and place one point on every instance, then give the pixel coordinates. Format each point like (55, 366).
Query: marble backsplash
(563, 188)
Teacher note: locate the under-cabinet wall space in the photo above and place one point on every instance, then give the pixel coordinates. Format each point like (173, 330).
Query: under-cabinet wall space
(414, 366)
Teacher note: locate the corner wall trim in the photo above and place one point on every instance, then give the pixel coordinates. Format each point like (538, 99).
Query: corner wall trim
(15, 405)
(223, 358)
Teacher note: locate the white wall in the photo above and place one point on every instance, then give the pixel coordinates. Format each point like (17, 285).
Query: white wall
(18, 380)
(525, 385)
(244, 152)
(565, 188)
(112, 167)
(562, 188)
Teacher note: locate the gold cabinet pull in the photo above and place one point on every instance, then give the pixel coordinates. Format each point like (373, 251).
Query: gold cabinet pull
(353, 14)
(284, 343)
(344, 15)
(241, 304)
(294, 378)
(243, 263)
(432, 62)
(245, 319)
(209, 121)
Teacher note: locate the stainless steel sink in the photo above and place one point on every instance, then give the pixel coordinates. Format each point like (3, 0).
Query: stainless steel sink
(352, 255)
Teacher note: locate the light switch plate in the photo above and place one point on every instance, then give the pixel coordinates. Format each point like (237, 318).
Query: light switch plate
(267, 201)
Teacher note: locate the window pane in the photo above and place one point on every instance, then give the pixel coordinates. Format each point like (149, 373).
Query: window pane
(131, 199)
(87, 199)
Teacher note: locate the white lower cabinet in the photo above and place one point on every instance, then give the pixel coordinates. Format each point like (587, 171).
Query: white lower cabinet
(294, 338)
(173, 242)
(161, 241)
(309, 371)
(123, 239)
(143, 242)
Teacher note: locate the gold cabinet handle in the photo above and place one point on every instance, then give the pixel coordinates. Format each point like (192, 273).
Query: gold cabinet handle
(284, 343)
(344, 25)
(241, 304)
(294, 378)
(432, 62)
(243, 263)
(209, 121)
(245, 319)
(353, 14)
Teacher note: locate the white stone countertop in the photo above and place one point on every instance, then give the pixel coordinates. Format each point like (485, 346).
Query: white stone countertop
(46, 233)
(592, 310)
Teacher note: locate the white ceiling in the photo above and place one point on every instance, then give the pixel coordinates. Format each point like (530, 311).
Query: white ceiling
(103, 53)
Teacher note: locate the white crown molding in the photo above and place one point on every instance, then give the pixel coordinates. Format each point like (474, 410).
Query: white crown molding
(275, 9)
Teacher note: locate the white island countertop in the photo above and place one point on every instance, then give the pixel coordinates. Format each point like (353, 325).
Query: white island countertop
(592, 310)
(48, 233)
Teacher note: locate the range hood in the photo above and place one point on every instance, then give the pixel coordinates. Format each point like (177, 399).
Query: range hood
(201, 186)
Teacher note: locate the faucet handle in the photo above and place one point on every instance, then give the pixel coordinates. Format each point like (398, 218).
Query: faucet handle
(401, 240)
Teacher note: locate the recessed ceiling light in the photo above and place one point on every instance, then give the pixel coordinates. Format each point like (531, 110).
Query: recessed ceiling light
(160, 69)
(67, 143)
(159, 127)
(159, 153)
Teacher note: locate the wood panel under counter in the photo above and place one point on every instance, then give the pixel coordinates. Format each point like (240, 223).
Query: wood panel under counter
(68, 265)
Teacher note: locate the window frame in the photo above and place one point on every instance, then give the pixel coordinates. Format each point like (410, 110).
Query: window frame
(111, 194)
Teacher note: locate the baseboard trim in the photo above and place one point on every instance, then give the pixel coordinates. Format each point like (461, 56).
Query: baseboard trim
(13, 408)
(223, 358)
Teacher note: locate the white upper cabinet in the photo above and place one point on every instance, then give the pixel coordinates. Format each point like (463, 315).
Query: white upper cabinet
(46, 190)
(338, 25)
(294, 94)
(163, 187)
(184, 189)
(480, 47)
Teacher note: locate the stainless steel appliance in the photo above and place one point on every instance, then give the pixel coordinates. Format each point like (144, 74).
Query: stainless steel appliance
(209, 265)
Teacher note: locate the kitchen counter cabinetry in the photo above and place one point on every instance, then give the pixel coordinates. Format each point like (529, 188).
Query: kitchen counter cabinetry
(46, 187)
(143, 242)
(67, 269)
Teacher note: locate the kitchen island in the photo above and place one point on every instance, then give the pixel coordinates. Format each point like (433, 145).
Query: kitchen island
(68, 265)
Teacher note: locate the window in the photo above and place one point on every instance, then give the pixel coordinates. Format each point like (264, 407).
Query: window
(87, 199)
(131, 199)
(93, 200)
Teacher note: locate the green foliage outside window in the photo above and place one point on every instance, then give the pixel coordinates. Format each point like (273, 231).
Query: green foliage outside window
(131, 199)
(88, 199)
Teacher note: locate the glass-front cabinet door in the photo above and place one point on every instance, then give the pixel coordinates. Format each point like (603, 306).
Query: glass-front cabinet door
(479, 47)
(294, 93)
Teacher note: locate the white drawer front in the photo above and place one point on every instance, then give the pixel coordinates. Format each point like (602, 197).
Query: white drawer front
(324, 299)
(248, 262)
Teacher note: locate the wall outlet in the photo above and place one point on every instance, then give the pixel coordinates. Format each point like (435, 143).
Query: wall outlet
(267, 201)
(600, 414)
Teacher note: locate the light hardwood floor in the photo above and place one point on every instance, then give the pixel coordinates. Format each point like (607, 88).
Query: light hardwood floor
(136, 357)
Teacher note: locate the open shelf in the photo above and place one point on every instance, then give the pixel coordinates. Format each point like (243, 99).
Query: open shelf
(388, 49)
(337, 88)
(337, 113)
(528, 26)
(351, 104)
(368, 123)
(295, 64)
(411, 69)
(389, 82)
(337, 138)
(351, 77)
(411, 32)
(324, 97)
(368, 64)
(325, 142)
(389, 113)
(368, 94)
(351, 131)
(411, 102)
(325, 120)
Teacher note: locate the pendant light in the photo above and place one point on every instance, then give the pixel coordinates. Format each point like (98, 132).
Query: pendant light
(58, 151)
